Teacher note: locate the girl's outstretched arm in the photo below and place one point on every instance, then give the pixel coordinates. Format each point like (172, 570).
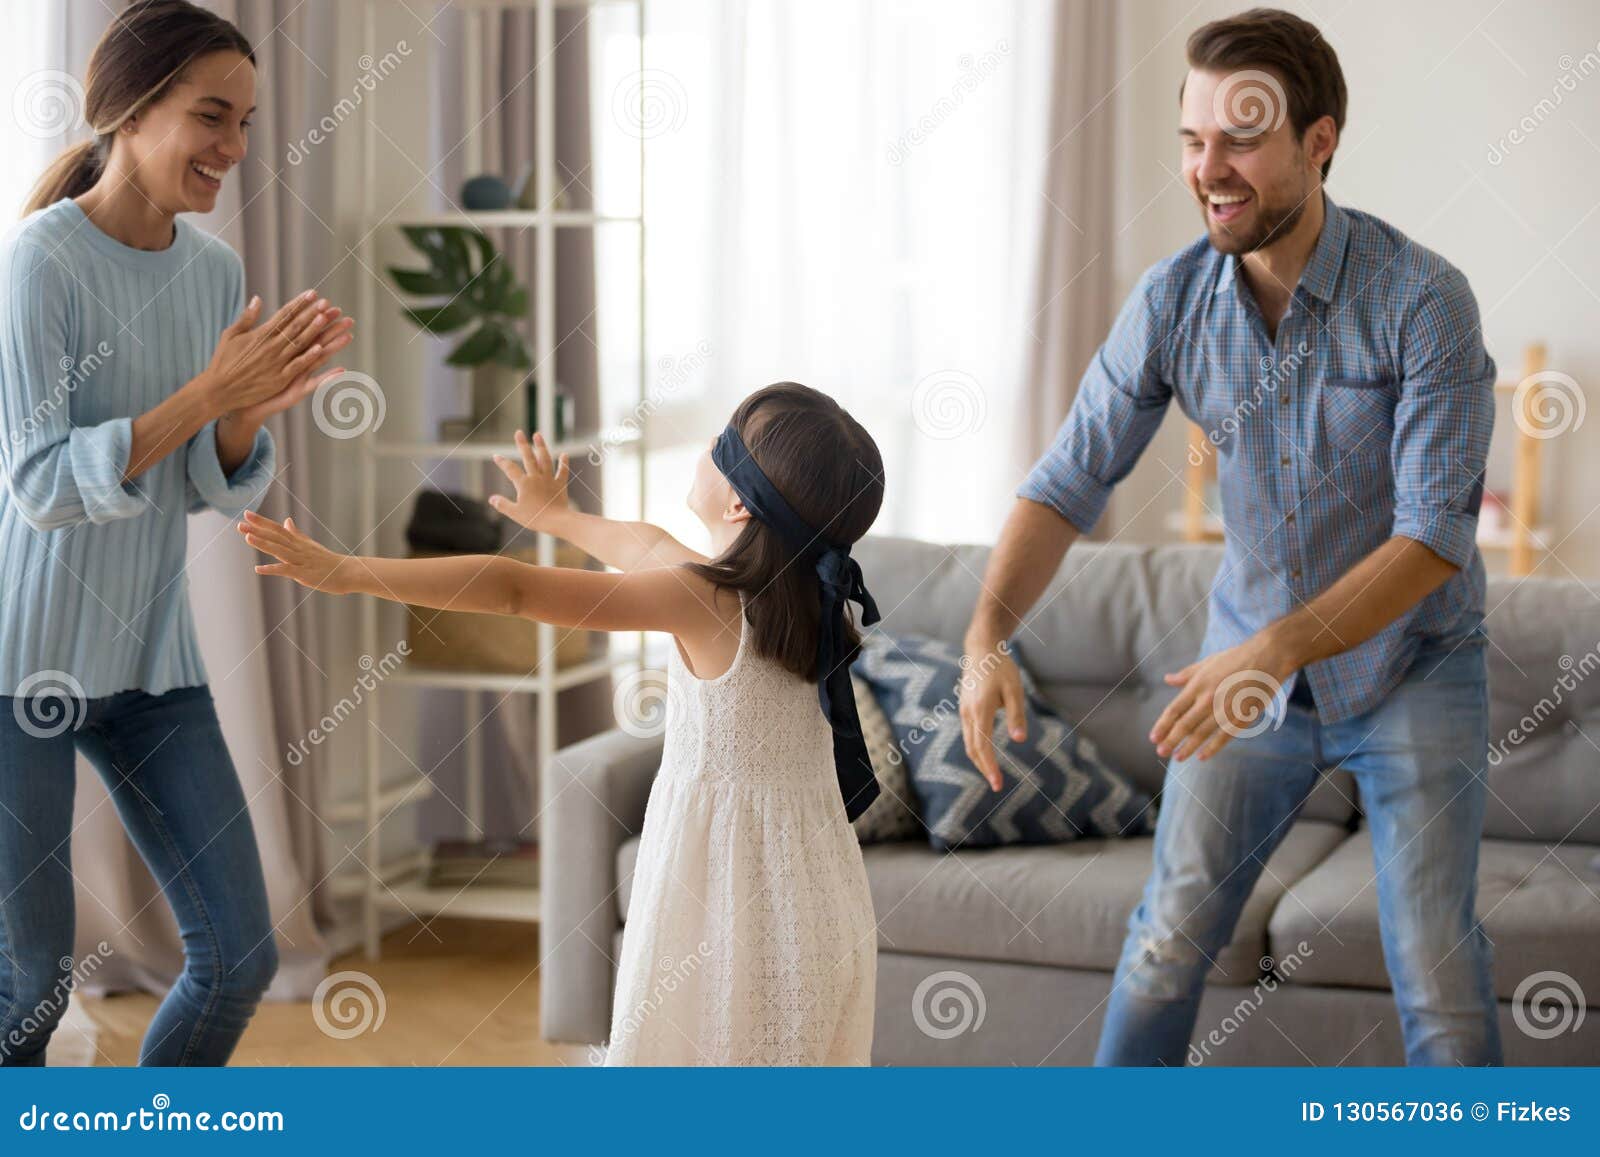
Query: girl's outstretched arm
(662, 599)
(540, 503)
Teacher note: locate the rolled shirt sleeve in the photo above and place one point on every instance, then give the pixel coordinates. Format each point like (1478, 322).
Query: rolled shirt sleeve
(230, 495)
(58, 474)
(1443, 421)
(1121, 401)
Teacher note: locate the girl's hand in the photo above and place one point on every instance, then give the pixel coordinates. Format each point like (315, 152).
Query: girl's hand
(541, 487)
(307, 562)
(256, 371)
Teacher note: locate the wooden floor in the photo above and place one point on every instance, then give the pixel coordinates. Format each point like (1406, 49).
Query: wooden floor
(469, 997)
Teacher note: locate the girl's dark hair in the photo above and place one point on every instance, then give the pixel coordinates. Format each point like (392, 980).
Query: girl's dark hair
(141, 55)
(827, 467)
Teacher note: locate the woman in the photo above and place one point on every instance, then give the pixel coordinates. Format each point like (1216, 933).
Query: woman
(134, 381)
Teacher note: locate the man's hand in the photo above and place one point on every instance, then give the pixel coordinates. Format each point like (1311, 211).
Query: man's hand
(1224, 696)
(990, 683)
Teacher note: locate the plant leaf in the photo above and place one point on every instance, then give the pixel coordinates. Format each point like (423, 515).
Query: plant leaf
(421, 282)
(481, 287)
(442, 318)
(480, 346)
(458, 262)
(486, 250)
(514, 351)
(426, 239)
(515, 303)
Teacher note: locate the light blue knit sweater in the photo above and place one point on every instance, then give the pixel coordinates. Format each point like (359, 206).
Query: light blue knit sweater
(92, 334)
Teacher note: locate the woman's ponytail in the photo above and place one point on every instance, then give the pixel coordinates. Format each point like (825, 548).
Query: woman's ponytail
(71, 174)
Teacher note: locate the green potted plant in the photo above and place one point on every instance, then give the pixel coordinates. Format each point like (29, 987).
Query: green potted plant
(472, 288)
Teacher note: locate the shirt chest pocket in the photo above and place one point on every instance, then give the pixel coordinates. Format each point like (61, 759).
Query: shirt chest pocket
(1358, 414)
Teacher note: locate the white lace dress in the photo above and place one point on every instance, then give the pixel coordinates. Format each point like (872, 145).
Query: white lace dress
(750, 937)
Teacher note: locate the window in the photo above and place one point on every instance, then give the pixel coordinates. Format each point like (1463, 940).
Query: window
(844, 195)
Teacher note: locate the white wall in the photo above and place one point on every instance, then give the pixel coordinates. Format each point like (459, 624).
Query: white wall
(1434, 85)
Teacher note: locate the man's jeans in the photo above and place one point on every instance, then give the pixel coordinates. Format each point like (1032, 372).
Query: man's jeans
(169, 775)
(1419, 759)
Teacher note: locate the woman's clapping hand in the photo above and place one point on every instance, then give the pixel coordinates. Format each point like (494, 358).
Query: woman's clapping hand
(260, 370)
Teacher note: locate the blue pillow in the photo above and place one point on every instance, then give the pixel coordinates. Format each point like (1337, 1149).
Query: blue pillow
(1056, 786)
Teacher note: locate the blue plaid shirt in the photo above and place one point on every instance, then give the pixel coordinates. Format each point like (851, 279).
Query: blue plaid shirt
(1369, 416)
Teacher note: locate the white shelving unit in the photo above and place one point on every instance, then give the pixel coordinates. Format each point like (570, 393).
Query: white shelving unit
(399, 885)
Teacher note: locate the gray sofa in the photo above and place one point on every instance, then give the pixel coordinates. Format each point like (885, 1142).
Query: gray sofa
(1004, 956)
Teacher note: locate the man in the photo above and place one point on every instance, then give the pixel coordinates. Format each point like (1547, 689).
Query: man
(1339, 374)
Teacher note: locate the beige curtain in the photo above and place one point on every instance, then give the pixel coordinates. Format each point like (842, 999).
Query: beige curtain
(261, 641)
(1074, 284)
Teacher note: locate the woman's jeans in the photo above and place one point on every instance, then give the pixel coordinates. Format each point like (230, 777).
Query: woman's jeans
(1419, 761)
(170, 777)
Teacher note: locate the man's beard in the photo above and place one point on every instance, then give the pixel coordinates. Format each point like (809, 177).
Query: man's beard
(1271, 224)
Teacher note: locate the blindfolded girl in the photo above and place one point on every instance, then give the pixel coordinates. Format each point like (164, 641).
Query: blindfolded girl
(749, 876)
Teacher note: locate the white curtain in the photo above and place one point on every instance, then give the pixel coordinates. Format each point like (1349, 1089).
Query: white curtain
(845, 194)
(42, 54)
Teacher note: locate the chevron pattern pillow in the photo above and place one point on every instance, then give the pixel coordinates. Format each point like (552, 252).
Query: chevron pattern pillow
(1057, 787)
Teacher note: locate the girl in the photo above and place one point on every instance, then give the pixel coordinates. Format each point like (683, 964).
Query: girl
(127, 401)
(750, 935)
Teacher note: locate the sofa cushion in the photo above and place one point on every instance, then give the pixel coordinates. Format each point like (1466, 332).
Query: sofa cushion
(1539, 903)
(1544, 711)
(1115, 619)
(1061, 904)
(893, 815)
(1056, 785)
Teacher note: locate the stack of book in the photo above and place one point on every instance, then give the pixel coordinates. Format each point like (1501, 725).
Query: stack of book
(484, 864)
